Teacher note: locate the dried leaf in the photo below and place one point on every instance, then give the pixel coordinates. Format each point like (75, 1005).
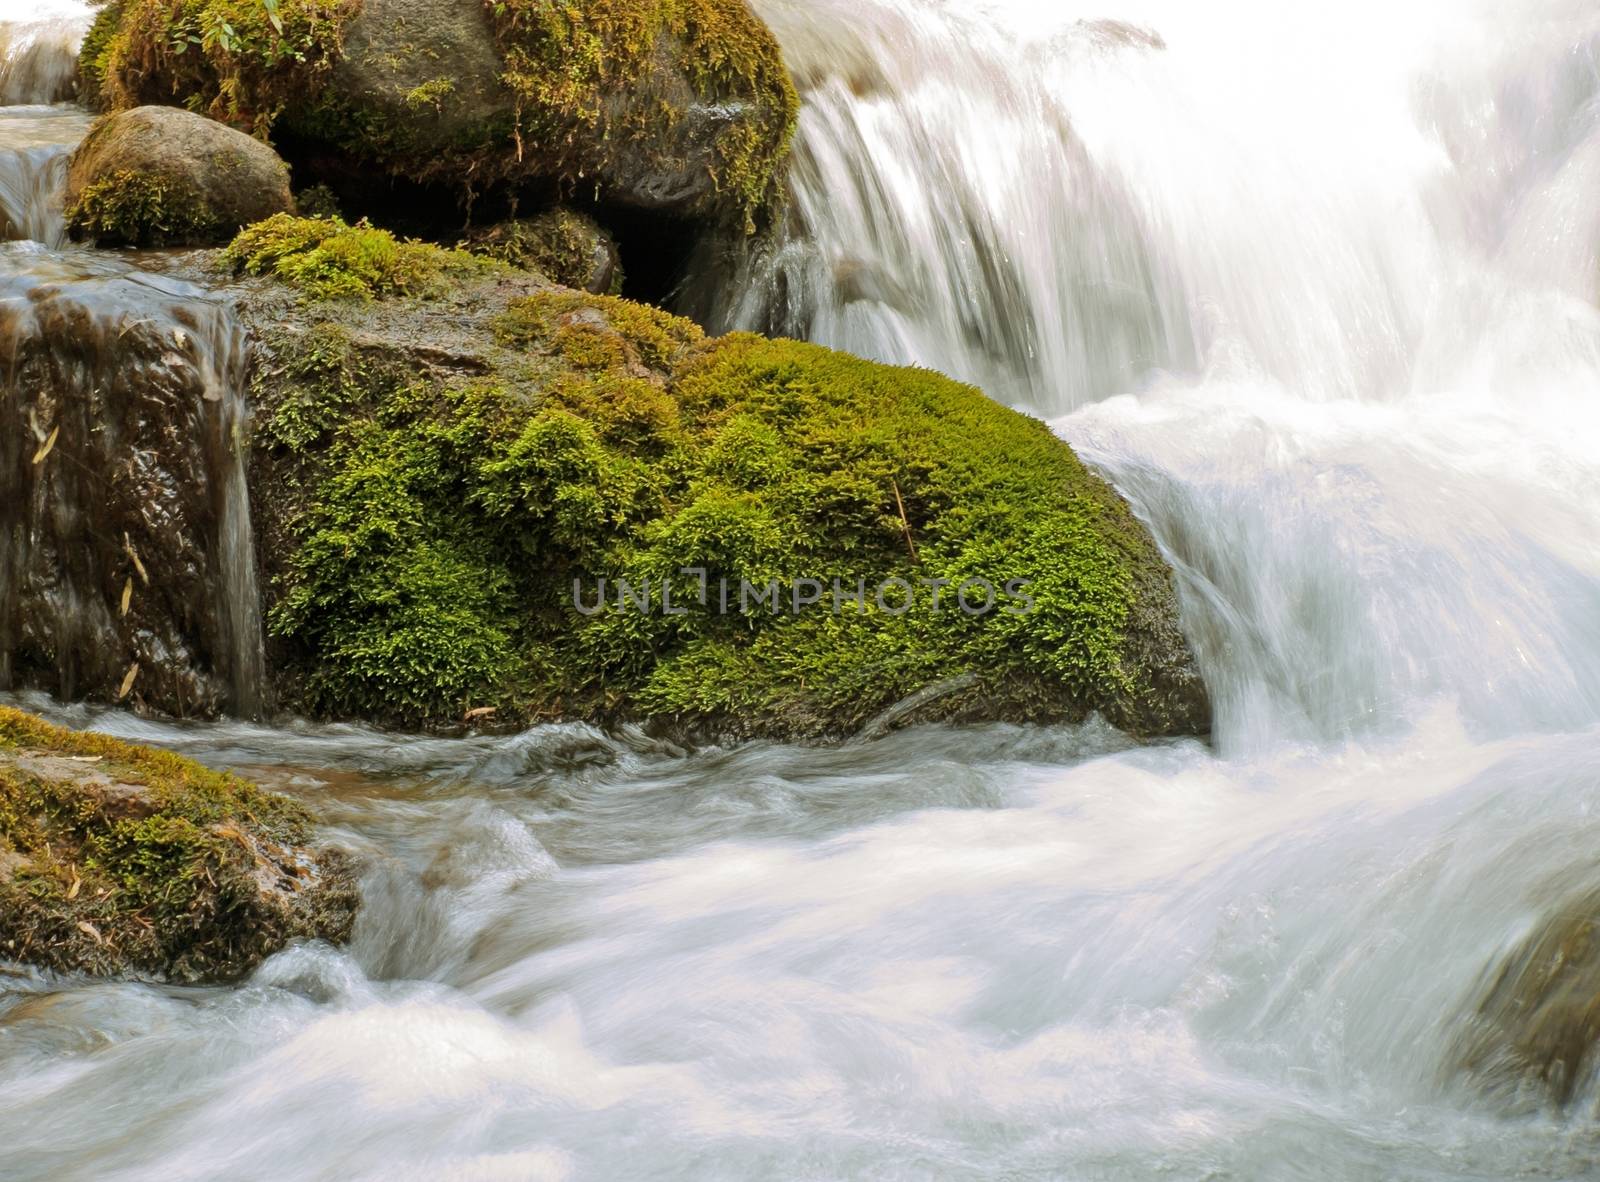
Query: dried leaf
(133, 557)
(127, 595)
(85, 926)
(86, 758)
(128, 680)
(77, 885)
(44, 448)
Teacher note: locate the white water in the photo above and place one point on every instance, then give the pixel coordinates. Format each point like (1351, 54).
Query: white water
(1318, 289)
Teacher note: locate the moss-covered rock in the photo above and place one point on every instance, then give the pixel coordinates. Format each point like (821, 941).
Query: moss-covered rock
(441, 489)
(675, 106)
(158, 176)
(118, 859)
(567, 247)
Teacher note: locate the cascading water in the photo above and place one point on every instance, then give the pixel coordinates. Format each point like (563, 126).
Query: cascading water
(38, 68)
(1317, 288)
(106, 368)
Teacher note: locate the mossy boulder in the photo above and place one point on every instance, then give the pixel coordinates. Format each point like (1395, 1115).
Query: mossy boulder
(567, 247)
(118, 859)
(680, 107)
(158, 176)
(442, 485)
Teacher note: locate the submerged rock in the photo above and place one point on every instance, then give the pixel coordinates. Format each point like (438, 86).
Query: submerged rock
(1537, 1022)
(683, 109)
(568, 247)
(117, 859)
(158, 176)
(442, 483)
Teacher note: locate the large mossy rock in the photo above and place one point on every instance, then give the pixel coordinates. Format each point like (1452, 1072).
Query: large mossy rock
(158, 176)
(117, 859)
(680, 107)
(432, 479)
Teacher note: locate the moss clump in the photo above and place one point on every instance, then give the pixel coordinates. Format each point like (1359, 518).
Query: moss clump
(116, 858)
(93, 53)
(328, 259)
(569, 61)
(567, 247)
(142, 209)
(437, 557)
(240, 61)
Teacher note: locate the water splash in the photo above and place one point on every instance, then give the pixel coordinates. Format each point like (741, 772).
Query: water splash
(1316, 285)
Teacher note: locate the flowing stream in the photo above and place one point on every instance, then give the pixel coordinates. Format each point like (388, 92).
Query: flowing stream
(1316, 286)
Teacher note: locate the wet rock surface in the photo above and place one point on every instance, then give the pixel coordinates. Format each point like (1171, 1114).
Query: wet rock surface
(1536, 1025)
(124, 564)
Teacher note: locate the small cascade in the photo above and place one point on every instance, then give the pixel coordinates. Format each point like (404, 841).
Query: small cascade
(39, 56)
(946, 212)
(126, 557)
(35, 144)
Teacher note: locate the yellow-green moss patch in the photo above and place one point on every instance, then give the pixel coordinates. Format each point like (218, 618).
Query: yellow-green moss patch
(329, 259)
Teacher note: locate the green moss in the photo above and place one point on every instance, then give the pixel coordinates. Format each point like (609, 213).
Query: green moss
(436, 563)
(117, 858)
(142, 209)
(242, 61)
(431, 94)
(317, 201)
(328, 259)
(598, 89)
(566, 60)
(93, 52)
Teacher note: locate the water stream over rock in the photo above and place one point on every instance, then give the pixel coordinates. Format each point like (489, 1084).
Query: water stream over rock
(124, 406)
(1317, 288)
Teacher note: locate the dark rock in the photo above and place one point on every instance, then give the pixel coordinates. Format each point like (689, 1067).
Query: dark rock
(677, 109)
(1537, 1022)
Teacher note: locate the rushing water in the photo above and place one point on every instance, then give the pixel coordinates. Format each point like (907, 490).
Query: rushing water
(1316, 285)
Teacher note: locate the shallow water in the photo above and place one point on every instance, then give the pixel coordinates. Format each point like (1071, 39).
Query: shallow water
(1316, 288)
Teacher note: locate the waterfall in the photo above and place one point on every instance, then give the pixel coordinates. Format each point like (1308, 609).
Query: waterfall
(126, 435)
(35, 144)
(38, 68)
